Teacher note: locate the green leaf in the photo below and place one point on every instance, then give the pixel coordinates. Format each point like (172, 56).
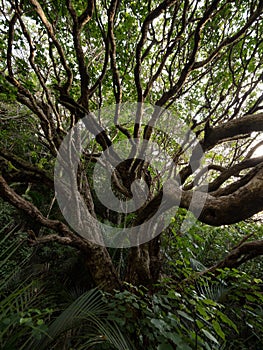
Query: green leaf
(227, 320)
(40, 322)
(250, 298)
(185, 315)
(209, 302)
(159, 324)
(202, 311)
(209, 336)
(200, 324)
(218, 329)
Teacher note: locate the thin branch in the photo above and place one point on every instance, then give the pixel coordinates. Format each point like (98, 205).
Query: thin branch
(253, 149)
(233, 171)
(233, 187)
(137, 70)
(230, 40)
(59, 48)
(191, 61)
(78, 23)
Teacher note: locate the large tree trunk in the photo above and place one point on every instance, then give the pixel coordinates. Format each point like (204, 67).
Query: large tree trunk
(138, 271)
(100, 266)
(144, 263)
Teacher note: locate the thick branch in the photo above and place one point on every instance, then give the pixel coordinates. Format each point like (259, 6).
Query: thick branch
(99, 261)
(12, 197)
(239, 205)
(87, 14)
(239, 255)
(27, 167)
(224, 132)
(33, 240)
(233, 128)
(234, 186)
(235, 207)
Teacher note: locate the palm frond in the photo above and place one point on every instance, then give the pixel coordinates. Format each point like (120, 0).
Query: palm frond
(88, 311)
(215, 291)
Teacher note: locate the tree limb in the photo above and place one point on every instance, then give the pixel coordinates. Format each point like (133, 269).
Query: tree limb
(28, 168)
(97, 254)
(241, 126)
(59, 48)
(239, 255)
(233, 171)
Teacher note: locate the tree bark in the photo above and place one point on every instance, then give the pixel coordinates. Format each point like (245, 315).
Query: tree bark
(239, 255)
(98, 259)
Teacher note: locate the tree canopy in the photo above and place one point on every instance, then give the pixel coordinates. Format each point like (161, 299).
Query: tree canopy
(67, 60)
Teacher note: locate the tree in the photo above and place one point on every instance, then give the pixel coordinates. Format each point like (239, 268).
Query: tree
(201, 60)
